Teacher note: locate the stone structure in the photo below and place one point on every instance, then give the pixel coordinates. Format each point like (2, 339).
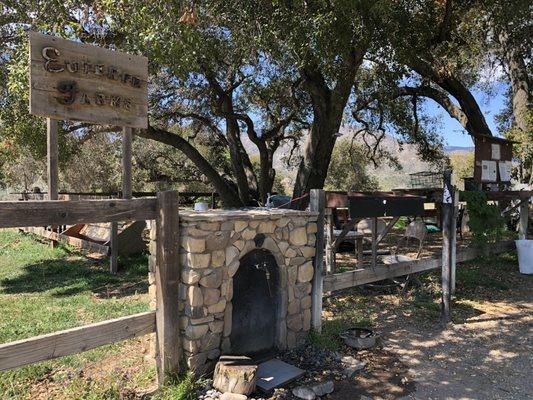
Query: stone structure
(211, 246)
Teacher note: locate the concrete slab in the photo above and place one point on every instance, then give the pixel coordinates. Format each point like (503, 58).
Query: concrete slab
(276, 373)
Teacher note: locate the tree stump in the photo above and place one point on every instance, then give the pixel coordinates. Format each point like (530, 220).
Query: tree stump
(235, 374)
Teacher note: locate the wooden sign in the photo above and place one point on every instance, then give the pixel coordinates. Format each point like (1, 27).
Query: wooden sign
(76, 81)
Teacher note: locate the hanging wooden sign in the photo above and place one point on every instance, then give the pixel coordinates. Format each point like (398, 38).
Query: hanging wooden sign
(76, 81)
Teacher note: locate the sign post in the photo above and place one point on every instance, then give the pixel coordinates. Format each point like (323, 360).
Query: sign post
(76, 81)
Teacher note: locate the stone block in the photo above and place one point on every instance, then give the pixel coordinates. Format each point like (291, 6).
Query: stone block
(211, 296)
(190, 276)
(294, 322)
(308, 251)
(248, 234)
(218, 240)
(240, 225)
(294, 307)
(228, 313)
(290, 253)
(197, 361)
(306, 317)
(213, 280)
(233, 267)
(305, 302)
(227, 226)
(218, 307)
(195, 296)
(298, 236)
(209, 226)
(192, 346)
(198, 260)
(196, 331)
(266, 227)
(226, 289)
(217, 326)
(305, 272)
(312, 227)
(210, 341)
(194, 245)
(281, 222)
(232, 254)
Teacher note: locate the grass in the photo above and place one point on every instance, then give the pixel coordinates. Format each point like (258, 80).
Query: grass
(44, 289)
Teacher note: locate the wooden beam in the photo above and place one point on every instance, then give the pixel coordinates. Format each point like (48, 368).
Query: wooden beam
(453, 255)
(16, 214)
(330, 247)
(361, 276)
(317, 204)
(113, 246)
(524, 219)
(72, 341)
(447, 243)
(167, 279)
(387, 229)
(52, 158)
(127, 136)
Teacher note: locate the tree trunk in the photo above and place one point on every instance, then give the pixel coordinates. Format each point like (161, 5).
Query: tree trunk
(228, 197)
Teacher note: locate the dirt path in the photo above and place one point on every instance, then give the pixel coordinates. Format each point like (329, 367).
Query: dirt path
(489, 356)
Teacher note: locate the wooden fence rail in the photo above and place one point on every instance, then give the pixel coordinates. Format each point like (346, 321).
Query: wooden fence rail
(17, 214)
(363, 276)
(75, 340)
(164, 321)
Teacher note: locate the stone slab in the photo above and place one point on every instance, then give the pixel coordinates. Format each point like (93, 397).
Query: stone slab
(275, 373)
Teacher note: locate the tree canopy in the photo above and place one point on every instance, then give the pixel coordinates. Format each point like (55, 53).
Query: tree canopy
(281, 74)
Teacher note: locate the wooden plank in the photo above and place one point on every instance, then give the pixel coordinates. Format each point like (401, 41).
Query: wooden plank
(113, 246)
(317, 204)
(52, 157)
(523, 221)
(72, 341)
(387, 229)
(330, 248)
(363, 276)
(167, 279)
(76, 81)
(70, 240)
(15, 214)
(447, 243)
(126, 162)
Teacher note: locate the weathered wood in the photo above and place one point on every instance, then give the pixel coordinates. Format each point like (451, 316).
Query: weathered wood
(347, 227)
(126, 162)
(235, 374)
(83, 244)
(524, 219)
(453, 260)
(447, 242)
(52, 154)
(361, 276)
(167, 278)
(374, 241)
(52, 157)
(75, 81)
(387, 229)
(72, 341)
(15, 214)
(330, 249)
(317, 204)
(113, 245)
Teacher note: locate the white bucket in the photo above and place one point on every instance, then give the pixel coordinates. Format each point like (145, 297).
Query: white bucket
(525, 256)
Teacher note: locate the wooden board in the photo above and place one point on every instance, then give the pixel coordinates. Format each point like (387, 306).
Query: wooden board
(17, 214)
(361, 276)
(76, 340)
(76, 81)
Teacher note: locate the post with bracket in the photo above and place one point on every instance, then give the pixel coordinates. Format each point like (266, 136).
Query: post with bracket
(317, 204)
(447, 246)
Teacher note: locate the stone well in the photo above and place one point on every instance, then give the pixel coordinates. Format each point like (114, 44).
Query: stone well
(212, 246)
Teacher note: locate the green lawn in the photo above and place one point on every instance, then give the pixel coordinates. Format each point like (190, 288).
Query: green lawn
(43, 290)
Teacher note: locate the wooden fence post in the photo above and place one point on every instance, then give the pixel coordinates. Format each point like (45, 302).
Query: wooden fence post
(52, 157)
(330, 251)
(447, 244)
(126, 194)
(167, 279)
(317, 204)
(453, 260)
(523, 222)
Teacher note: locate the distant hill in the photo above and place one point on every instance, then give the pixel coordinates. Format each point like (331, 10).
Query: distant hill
(458, 149)
(389, 177)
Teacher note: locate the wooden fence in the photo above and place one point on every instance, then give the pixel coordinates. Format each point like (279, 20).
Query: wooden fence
(164, 210)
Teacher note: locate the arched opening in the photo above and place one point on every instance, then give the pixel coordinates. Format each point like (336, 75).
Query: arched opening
(255, 304)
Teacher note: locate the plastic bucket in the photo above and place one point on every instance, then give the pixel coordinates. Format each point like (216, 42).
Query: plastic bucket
(525, 256)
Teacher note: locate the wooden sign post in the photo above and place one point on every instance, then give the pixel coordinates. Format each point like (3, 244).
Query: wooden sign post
(75, 81)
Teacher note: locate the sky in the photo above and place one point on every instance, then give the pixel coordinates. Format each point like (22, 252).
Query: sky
(453, 133)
